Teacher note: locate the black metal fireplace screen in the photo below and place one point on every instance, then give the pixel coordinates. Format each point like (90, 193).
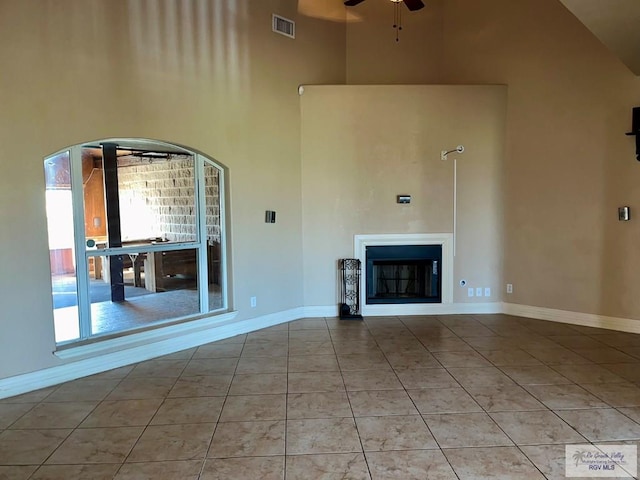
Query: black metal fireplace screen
(350, 269)
(404, 274)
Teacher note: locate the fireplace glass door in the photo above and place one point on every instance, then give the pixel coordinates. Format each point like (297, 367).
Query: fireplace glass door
(404, 274)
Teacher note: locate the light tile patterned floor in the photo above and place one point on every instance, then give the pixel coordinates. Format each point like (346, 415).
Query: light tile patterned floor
(438, 397)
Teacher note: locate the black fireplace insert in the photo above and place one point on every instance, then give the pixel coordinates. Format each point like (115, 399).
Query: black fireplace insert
(403, 274)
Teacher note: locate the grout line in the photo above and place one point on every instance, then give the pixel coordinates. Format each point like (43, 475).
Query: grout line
(144, 430)
(286, 404)
(353, 416)
(376, 338)
(74, 429)
(215, 428)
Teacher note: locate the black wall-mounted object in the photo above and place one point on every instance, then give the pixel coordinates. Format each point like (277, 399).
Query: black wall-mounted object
(635, 129)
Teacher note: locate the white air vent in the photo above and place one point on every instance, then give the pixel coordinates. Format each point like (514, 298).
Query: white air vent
(284, 26)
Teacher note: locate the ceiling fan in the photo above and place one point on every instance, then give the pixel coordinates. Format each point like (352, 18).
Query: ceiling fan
(412, 5)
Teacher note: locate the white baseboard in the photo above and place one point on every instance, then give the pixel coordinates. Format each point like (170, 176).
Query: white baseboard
(431, 309)
(97, 363)
(134, 352)
(563, 316)
(409, 309)
(573, 318)
(316, 311)
(207, 325)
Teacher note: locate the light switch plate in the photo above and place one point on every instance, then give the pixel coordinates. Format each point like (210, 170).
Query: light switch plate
(270, 216)
(624, 214)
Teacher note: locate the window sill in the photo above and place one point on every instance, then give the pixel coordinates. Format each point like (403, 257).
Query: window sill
(144, 338)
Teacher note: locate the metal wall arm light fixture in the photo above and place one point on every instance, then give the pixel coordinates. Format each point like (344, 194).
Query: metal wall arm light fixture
(443, 156)
(444, 153)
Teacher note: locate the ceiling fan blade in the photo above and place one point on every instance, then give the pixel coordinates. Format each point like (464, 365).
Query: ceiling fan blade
(353, 3)
(414, 5)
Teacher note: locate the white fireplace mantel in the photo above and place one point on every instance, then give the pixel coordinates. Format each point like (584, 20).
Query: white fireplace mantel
(360, 244)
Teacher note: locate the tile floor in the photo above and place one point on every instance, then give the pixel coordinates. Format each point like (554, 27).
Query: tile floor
(138, 311)
(438, 397)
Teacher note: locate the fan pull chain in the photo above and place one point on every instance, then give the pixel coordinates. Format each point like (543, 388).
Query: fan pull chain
(397, 19)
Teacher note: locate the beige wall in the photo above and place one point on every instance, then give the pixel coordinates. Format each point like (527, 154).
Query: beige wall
(363, 145)
(209, 74)
(373, 55)
(615, 23)
(568, 164)
(206, 74)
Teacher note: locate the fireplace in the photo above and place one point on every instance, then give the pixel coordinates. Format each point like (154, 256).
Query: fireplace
(413, 273)
(403, 274)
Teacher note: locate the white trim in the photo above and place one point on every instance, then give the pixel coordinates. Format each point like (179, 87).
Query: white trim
(203, 241)
(225, 230)
(432, 309)
(316, 311)
(360, 244)
(99, 363)
(412, 309)
(455, 204)
(80, 244)
(142, 338)
(572, 318)
(164, 341)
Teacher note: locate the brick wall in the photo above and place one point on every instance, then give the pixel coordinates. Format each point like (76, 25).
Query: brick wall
(157, 199)
(212, 194)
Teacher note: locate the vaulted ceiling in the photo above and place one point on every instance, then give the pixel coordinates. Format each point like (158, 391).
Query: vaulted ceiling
(616, 23)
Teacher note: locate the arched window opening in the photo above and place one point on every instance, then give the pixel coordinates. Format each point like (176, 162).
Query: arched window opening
(136, 237)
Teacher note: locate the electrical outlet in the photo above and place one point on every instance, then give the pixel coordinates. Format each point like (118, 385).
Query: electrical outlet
(253, 302)
(487, 292)
(509, 288)
(470, 291)
(479, 292)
